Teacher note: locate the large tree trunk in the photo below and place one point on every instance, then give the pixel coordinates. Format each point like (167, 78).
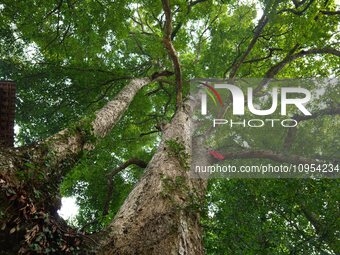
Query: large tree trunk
(71, 141)
(59, 153)
(161, 214)
(30, 176)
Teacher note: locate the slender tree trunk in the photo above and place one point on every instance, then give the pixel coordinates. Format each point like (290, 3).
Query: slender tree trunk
(161, 214)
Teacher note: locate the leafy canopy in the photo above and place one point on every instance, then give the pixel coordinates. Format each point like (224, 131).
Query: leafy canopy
(70, 57)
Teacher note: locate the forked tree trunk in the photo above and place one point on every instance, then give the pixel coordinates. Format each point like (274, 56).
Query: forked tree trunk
(161, 214)
(30, 176)
(62, 149)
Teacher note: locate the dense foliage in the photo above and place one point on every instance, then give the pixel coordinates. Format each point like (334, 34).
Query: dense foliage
(70, 57)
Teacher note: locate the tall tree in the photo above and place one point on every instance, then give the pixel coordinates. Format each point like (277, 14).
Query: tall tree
(133, 60)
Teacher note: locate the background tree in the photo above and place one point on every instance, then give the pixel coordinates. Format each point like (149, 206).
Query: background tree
(133, 60)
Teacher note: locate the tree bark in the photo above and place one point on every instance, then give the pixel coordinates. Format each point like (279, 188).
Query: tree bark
(30, 176)
(70, 142)
(161, 214)
(63, 149)
(50, 160)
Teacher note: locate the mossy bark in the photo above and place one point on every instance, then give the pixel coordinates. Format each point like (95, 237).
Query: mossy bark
(158, 216)
(30, 176)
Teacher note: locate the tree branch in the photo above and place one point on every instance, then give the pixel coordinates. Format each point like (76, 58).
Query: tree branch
(324, 112)
(172, 52)
(269, 55)
(274, 70)
(332, 13)
(292, 131)
(262, 23)
(296, 12)
(272, 155)
(68, 143)
(132, 161)
(180, 24)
